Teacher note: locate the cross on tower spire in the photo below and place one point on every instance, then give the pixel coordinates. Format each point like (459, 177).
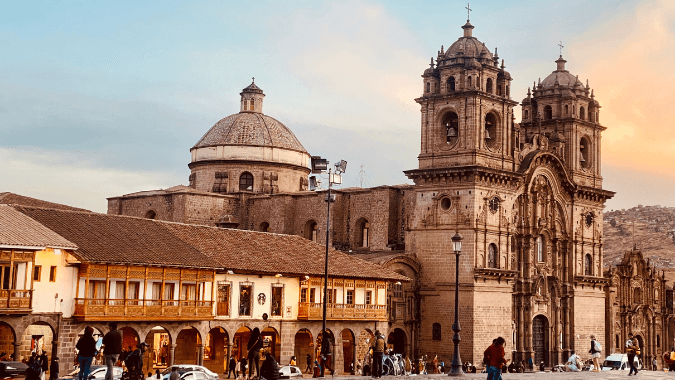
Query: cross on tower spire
(468, 11)
(253, 79)
(561, 47)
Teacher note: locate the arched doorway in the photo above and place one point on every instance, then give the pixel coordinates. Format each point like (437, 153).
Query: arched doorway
(215, 350)
(540, 339)
(317, 350)
(396, 341)
(641, 343)
(130, 338)
(364, 342)
(304, 345)
(38, 336)
(348, 350)
(7, 339)
(271, 341)
(158, 355)
(187, 346)
(240, 341)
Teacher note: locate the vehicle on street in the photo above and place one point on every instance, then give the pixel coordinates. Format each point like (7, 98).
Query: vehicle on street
(618, 362)
(190, 372)
(290, 371)
(11, 370)
(97, 372)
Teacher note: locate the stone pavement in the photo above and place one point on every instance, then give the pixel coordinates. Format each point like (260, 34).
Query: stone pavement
(605, 375)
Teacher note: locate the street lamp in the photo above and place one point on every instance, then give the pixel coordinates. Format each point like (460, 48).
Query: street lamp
(319, 165)
(456, 360)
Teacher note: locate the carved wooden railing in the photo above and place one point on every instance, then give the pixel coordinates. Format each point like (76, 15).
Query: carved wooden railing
(101, 309)
(16, 300)
(314, 311)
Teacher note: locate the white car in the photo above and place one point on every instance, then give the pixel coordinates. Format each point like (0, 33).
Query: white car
(619, 362)
(190, 372)
(96, 372)
(290, 371)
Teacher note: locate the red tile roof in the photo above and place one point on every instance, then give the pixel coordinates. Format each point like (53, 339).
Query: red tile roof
(19, 230)
(16, 199)
(129, 240)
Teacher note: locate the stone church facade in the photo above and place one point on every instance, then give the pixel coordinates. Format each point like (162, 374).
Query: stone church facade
(527, 198)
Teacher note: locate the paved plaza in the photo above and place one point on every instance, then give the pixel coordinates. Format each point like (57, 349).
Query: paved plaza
(606, 375)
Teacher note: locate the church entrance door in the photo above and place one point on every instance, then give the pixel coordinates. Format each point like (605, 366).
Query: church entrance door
(540, 340)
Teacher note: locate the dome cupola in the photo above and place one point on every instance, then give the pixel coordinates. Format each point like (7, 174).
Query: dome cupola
(252, 98)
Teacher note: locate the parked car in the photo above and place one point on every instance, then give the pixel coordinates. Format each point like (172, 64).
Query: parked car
(190, 372)
(289, 371)
(10, 370)
(96, 372)
(618, 362)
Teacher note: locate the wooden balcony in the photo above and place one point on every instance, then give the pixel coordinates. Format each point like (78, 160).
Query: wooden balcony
(89, 309)
(14, 301)
(309, 311)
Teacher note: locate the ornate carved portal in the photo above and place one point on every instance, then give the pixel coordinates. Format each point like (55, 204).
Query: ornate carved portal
(540, 340)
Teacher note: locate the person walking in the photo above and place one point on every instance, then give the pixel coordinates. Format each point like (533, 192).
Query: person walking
(232, 367)
(269, 370)
(326, 354)
(595, 350)
(112, 342)
(378, 345)
(44, 363)
(494, 357)
(243, 363)
(632, 349)
(308, 358)
(654, 364)
(174, 373)
(86, 350)
(255, 343)
(54, 369)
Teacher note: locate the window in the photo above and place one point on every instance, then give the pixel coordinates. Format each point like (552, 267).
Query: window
(492, 256)
(37, 273)
(494, 204)
(245, 299)
(451, 84)
(508, 92)
(369, 297)
(584, 158)
(246, 182)
(303, 295)
(637, 295)
(350, 297)
(52, 274)
(188, 292)
(527, 114)
(582, 113)
(264, 227)
(133, 292)
(428, 87)
(490, 130)
(169, 293)
(566, 109)
(156, 293)
(450, 123)
(96, 292)
(488, 86)
(150, 214)
(363, 233)
(588, 265)
(589, 219)
(245, 105)
(470, 82)
(277, 299)
(445, 204)
(436, 332)
(540, 248)
(311, 230)
(548, 113)
(312, 295)
(252, 104)
(223, 305)
(332, 295)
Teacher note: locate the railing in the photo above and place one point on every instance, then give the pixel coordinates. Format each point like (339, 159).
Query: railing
(314, 311)
(99, 309)
(17, 300)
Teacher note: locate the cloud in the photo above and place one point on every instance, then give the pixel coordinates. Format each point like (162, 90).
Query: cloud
(72, 178)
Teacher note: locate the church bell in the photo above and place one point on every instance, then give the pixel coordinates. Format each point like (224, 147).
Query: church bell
(452, 132)
(487, 134)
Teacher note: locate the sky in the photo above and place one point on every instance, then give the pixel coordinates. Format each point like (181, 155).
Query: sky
(99, 99)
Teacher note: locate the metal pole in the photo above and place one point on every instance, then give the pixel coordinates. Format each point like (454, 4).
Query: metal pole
(456, 360)
(325, 280)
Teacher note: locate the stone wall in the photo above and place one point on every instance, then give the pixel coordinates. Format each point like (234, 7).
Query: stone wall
(589, 318)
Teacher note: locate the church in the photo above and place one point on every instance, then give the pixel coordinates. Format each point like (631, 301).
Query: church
(526, 197)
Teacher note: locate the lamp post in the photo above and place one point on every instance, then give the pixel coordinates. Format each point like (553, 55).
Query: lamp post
(456, 360)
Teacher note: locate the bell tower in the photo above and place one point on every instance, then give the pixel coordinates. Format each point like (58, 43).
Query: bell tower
(467, 111)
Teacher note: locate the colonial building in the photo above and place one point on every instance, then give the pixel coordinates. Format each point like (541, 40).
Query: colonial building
(193, 293)
(528, 199)
(638, 301)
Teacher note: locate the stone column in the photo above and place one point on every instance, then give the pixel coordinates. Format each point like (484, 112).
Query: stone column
(172, 352)
(17, 346)
(228, 348)
(200, 357)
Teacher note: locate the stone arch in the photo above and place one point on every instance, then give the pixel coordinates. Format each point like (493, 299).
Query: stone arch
(7, 339)
(150, 214)
(272, 341)
(348, 350)
(362, 233)
(365, 336)
(397, 340)
(216, 344)
(38, 335)
(188, 344)
(310, 232)
(160, 341)
(240, 340)
(446, 118)
(303, 346)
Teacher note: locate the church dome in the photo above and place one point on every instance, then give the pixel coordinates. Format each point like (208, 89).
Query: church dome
(468, 46)
(563, 77)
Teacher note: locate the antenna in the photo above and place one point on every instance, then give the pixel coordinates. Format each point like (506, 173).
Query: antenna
(361, 178)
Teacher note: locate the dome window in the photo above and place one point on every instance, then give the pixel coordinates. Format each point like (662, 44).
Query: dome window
(252, 104)
(527, 114)
(548, 113)
(451, 127)
(582, 113)
(246, 182)
(428, 87)
(451, 84)
(470, 83)
(567, 109)
(488, 86)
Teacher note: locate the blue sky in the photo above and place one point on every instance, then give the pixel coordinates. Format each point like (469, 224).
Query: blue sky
(99, 99)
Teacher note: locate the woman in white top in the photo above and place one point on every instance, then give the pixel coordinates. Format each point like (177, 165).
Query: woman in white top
(595, 350)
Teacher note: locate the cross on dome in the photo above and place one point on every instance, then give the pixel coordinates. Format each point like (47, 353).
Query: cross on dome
(468, 11)
(561, 47)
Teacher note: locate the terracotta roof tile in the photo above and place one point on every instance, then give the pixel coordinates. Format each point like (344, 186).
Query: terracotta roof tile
(19, 230)
(16, 199)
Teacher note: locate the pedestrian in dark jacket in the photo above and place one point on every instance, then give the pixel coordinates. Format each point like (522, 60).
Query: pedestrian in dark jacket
(113, 348)
(269, 370)
(243, 363)
(326, 354)
(232, 367)
(54, 369)
(44, 363)
(308, 358)
(86, 347)
(255, 343)
(378, 345)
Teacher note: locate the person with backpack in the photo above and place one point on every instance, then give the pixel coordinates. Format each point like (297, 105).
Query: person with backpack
(378, 345)
(595, 350)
